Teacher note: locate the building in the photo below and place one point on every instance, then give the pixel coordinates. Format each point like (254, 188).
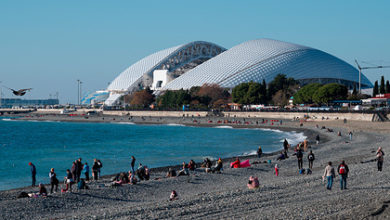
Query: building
(197, 63)
(16, 102)
(380, 100)
(93, 98)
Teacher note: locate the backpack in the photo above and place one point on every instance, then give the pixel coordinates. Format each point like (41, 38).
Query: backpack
(311, 157)
(100, 164)
(342, 169)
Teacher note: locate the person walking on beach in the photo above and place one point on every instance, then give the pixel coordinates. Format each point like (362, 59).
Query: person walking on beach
(318, 139)
(53, 180)
(259, 152)
(350, 135)
(95, 168)
(33, 173)
(86, 171)
(300, 158)
(379, 156)
(329, 173)
(100, 166)
(311, 158)
(285, 145)
(343, 170)
(73, 170)
(79, 169)
(132, 163)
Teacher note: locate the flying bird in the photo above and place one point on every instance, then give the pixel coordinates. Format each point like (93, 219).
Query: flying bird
(20, 92)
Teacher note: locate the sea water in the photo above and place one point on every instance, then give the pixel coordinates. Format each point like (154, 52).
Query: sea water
(58, 144)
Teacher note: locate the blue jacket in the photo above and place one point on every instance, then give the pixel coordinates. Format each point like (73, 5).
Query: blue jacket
(85, 169)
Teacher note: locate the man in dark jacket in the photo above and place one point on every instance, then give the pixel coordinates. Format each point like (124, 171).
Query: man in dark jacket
(33, 173)
(79, 169)
(343, 171)
(310, 158)
(132, 163)
(300, 158)
(73, 171)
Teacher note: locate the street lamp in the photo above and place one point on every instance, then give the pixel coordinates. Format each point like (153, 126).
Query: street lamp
(1, 97)
(78, 92)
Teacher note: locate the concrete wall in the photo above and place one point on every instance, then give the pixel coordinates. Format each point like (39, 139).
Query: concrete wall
(275, 115)
(313, 116)
(156, 113)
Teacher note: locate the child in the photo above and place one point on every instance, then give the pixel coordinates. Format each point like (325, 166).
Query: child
(276, 170)
(173, 195)
(253, 182)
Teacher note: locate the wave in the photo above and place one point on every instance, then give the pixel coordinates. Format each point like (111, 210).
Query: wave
(294, 137)
(223, 126)
(6, 119)
(125, 123)
(173, 124)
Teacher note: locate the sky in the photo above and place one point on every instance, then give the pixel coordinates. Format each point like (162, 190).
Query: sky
(49, 45)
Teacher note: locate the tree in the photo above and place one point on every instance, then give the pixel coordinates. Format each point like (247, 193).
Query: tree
(210, 93)
(249, 93)
(142, 98)
(239, 93)
(382, 89)
(387, 86)
(280, 82)
(305, 94)
(375, 91)
(329, 92)
(174, 99)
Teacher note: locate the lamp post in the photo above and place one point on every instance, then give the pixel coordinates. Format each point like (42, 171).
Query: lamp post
(78, 92)
(1, 95)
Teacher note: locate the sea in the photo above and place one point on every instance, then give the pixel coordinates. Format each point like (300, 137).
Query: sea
(56, 145)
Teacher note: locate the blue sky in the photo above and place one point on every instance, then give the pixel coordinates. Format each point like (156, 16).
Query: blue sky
(48, 45)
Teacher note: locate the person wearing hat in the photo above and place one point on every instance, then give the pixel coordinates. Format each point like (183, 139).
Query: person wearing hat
(33, 173)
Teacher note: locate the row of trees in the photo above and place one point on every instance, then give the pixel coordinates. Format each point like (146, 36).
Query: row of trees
(320, 94)
(277, 92)
(208, 95)
(382, 89)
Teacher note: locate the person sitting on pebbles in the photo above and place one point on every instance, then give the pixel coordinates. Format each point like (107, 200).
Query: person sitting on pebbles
(171, 173)
(42, 192)
(253, 182)
(236, 164)
(173, 196)
(184, 171)
(132, 178)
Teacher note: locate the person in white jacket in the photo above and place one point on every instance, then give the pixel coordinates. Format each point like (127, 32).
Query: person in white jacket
(329, 173)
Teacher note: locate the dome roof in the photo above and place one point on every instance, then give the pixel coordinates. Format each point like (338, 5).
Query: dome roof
(260, 59)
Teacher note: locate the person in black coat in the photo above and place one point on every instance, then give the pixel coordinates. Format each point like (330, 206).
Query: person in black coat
(33, 173)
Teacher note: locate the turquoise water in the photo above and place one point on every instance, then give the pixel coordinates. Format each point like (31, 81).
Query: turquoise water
(57, 144)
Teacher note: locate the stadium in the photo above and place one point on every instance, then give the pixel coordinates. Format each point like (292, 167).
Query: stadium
(199, 62)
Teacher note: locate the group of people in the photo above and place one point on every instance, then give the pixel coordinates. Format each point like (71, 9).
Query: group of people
(191, 166)
(73, 175)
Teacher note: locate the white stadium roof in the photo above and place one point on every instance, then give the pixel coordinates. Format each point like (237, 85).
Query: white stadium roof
(256, 60)
(253, 60)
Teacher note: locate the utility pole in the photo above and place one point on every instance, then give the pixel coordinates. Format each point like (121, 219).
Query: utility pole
(366, 68)
(78, 92)
(1, 95)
